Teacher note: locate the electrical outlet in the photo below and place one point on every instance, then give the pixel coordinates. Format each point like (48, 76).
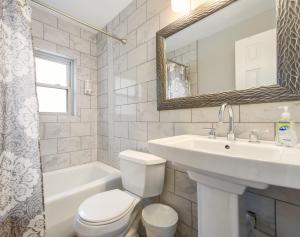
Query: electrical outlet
(251, 219)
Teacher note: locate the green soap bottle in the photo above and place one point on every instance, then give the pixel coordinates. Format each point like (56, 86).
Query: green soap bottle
(285, 131)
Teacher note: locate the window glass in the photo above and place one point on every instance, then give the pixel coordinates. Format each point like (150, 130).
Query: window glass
(52, 99)
(49, 72)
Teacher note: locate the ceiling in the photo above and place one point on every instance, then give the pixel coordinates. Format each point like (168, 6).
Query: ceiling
(94, 12)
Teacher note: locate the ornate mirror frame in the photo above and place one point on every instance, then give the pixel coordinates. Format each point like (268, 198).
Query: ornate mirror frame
(288, 65)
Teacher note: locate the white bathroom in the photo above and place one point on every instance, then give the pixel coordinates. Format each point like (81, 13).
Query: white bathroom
(149, 118)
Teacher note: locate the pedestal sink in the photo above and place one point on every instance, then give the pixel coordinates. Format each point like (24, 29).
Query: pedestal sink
(223, 169)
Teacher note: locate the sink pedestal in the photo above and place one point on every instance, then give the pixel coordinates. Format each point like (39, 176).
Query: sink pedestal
(218, 204)
(218, 213)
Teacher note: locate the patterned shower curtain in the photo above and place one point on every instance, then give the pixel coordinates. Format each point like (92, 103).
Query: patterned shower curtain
(178, 84)
(21, 193)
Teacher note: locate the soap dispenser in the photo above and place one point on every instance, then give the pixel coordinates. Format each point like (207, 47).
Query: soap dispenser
(285, 131)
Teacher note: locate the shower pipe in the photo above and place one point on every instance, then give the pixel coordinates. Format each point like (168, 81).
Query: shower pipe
(123, 41)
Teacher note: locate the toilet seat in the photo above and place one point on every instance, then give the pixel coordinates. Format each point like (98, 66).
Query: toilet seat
(98, 209)
(106, 214)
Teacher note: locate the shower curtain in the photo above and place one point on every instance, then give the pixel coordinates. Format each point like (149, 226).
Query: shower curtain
(178, 84)
(21, 196)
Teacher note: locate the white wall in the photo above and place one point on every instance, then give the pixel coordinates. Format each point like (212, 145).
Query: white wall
(216, 54)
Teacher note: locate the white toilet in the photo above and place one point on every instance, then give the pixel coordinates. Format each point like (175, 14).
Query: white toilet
(117, 213)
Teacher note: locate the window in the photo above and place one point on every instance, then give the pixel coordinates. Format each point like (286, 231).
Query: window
(54, 83)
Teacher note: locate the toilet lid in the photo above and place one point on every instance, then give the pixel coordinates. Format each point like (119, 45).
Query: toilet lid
(106, 207)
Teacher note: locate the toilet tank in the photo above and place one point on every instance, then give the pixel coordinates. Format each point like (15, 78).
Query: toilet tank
(142, 173)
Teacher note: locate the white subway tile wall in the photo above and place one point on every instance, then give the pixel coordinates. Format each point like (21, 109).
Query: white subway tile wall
(68, 140)
(134, 117)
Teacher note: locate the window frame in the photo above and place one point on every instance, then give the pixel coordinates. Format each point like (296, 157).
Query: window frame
(70, 77)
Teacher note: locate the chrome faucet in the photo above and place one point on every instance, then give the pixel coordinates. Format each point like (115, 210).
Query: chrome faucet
(230, 134)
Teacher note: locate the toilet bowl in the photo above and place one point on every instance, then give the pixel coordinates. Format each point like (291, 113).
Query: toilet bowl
(159, 220)
(117, 213)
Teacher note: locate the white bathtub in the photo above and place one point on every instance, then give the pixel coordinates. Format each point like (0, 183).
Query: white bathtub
(65, 189)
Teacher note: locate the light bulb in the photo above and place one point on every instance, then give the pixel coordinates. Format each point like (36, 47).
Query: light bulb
(180, 6)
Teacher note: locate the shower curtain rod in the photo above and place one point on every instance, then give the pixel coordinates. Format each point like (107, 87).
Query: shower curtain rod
(123, 41)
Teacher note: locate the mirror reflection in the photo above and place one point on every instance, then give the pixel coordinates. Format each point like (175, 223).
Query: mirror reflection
(232, 49)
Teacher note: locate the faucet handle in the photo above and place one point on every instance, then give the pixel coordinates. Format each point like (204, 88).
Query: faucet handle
(212, 133)
(255, 135)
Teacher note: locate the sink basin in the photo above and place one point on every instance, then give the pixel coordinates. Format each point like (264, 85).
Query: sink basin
(223, 170)
(262, 162)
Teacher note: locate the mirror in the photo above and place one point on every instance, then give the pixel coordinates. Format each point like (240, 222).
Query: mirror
(232, 49)
(225, 50)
